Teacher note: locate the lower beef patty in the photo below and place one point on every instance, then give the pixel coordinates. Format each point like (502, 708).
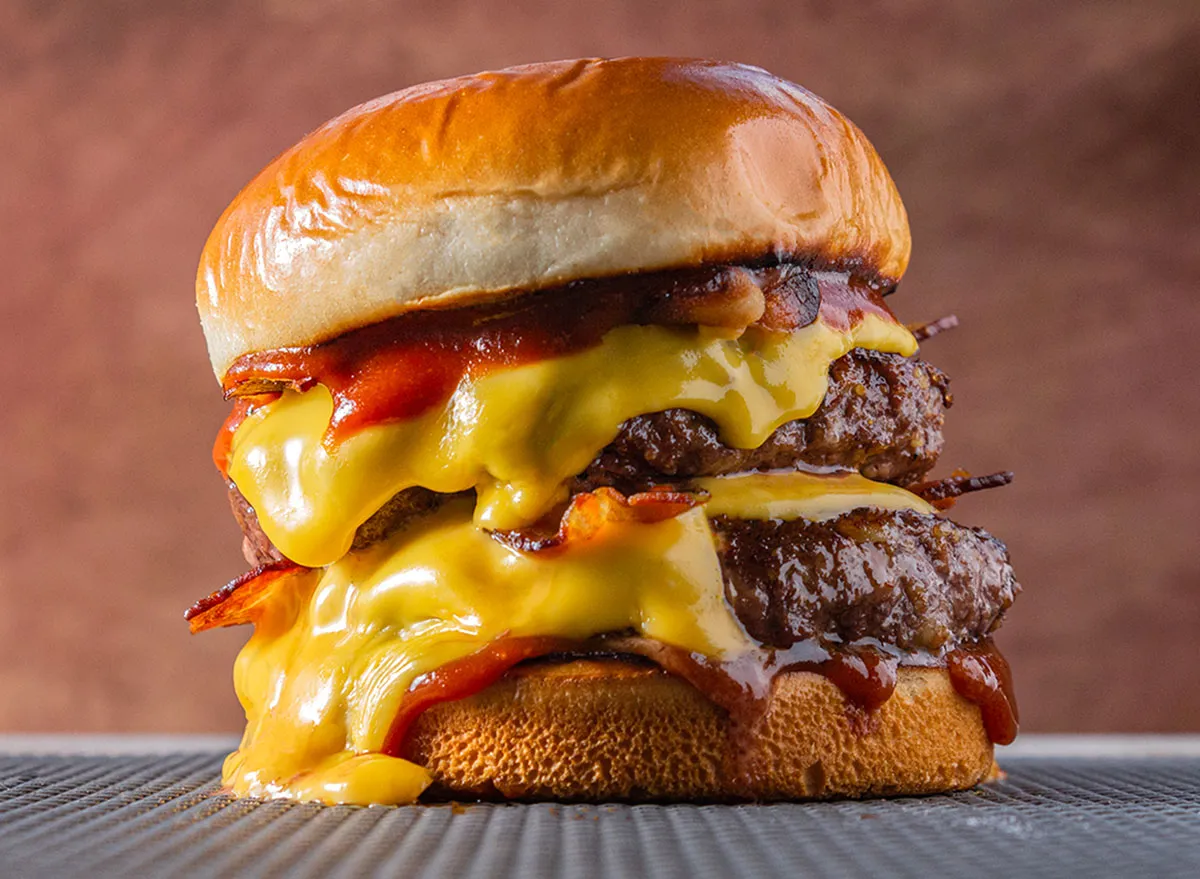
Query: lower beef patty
(909, 580)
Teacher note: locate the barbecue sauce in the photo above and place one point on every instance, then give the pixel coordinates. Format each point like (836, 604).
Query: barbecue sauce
(243, 407)
(462, 678)
(981, 675)
(742, 686)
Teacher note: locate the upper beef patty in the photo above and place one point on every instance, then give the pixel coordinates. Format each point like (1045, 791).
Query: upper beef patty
(882, 416)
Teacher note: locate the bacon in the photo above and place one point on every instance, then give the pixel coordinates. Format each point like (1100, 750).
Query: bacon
(243, 600)
(728, 298)
(590, 512)
(931, 328)
(942, 493)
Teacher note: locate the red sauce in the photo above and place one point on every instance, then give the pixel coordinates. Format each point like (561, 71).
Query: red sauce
(242, 407)
(464, 677)
(981, 675)
(403, 366)
(742, 686)
(866, 676)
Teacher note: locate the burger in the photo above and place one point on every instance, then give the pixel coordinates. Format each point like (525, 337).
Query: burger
(578, 455)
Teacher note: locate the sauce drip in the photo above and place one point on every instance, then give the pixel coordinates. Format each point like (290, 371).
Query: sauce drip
(464, 677)
(243, 407)
(401, 367)
(866, 677)
(981, 675)
(742, 686)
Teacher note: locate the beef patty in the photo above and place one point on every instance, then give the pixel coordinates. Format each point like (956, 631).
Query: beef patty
(909, 580)
(882, 416)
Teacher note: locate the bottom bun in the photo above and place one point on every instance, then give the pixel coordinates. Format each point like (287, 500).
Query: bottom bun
(610, 730)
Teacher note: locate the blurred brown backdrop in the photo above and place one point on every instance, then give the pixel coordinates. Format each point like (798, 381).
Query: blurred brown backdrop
(1049, 155)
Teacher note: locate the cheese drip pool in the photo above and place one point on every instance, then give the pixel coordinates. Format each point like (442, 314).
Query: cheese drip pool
(577, 454)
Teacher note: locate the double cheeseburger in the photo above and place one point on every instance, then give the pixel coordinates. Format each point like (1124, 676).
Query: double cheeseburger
(579, 455)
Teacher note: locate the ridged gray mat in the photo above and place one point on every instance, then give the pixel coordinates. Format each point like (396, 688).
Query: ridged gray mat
(157, 816)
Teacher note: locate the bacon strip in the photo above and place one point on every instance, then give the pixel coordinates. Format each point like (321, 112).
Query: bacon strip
(943, 492)
(932, 328)
(242, 600)
(590, 512)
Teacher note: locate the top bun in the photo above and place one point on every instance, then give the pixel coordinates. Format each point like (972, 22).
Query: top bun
(526, 178)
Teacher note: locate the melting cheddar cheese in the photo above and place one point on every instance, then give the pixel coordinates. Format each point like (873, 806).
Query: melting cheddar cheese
(788, 495)
(328, 682)
(517, 435)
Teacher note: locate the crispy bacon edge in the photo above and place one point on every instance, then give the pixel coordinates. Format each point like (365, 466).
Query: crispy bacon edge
(942, 493)
(589, 512)
(241, 601)
(929, 329)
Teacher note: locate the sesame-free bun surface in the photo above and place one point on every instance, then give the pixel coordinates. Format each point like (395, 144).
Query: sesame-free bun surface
(591, 730)
(526, 178)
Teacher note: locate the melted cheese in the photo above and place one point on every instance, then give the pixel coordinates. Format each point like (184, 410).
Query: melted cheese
(324, 673)
(321, 688)
(517, 435)
(789, 495)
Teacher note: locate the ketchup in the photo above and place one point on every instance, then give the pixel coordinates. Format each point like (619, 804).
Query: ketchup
(242, 408)
(866, 677)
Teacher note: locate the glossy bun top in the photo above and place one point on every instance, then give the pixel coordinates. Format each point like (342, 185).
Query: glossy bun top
(489, 185)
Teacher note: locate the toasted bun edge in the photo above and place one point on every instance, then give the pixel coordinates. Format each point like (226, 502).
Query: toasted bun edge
(592, 731)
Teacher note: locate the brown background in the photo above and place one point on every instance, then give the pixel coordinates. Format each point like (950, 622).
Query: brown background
(1049, 154)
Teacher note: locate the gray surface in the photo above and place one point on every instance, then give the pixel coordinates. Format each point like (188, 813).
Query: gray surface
(157, 816)
(145, 744)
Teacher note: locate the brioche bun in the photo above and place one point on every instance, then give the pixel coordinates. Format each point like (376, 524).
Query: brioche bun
(531, 177)
(608, 730)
